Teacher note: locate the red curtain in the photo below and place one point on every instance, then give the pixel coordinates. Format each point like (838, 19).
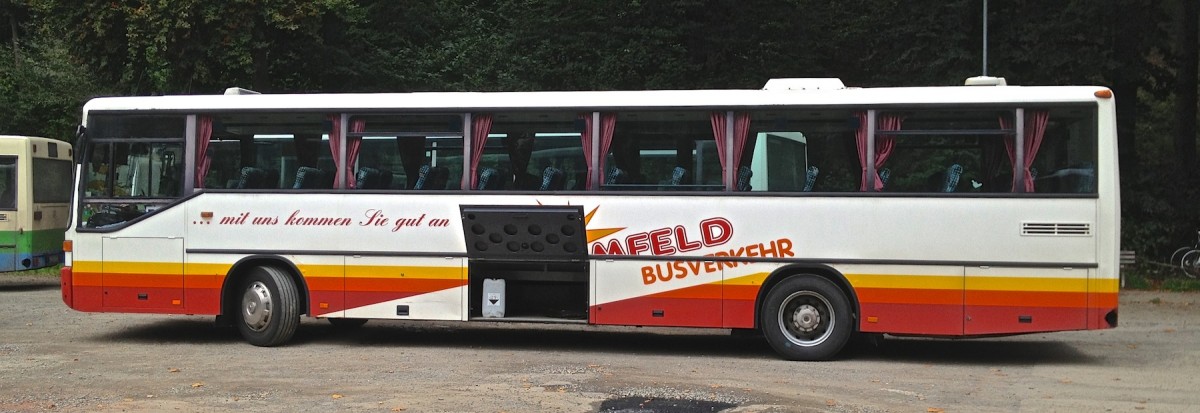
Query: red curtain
(203, 136)
(1035, 131)
(608, 123)
(352, 145)
(481, 126)
(741, 128)
(884, 144)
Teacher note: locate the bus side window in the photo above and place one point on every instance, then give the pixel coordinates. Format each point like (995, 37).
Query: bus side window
(8, 178)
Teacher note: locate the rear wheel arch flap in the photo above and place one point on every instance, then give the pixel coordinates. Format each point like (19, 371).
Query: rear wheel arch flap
(816, 270)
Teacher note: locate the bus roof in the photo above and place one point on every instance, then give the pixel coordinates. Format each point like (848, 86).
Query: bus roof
(33, 139)
(601, 100)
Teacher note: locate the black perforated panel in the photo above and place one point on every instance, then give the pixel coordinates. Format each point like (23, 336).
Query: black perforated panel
(524, 233)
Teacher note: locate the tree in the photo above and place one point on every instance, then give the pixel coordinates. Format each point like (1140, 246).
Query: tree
(41, 88)
(184, 46)
(1185, 90)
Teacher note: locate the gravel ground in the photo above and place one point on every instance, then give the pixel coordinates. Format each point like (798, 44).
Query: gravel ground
(55, 359)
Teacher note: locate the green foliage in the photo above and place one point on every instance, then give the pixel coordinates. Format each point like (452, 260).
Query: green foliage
(1181, 284)
(1136, 281)
(1150, 274)
(183, 46)
(42, 96)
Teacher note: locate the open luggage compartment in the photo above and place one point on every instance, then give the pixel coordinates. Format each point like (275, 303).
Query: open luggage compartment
(526, 263)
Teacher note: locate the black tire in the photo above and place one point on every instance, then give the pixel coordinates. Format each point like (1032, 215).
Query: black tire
(1177, 256)
(1190, 263)
(806, 318)
(268, 309)
(347, 323)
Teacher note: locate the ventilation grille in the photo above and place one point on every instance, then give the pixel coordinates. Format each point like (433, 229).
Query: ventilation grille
(1056, 228)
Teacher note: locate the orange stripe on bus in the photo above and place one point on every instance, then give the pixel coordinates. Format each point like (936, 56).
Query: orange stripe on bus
(402, 284)
(909, 296)
(143, 280)
(703, 291)
(1103, 300)
(1026, 298)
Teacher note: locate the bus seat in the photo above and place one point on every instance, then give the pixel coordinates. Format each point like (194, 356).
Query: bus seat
(552, 179)
(810, 178)
(366, 178)
(678, 176)
(953, 173)
(308, 177)
(432, 177)
(385, 179)
(615, 176)
(743, 178)
(489, 179)
(422, 177)
(252, 178)
(884, 175)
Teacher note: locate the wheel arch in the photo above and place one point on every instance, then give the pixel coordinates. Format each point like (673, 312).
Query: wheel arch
(239, 271)
(818, 270)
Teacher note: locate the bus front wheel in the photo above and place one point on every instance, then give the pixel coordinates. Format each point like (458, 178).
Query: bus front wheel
(806, 318)
(269, 310)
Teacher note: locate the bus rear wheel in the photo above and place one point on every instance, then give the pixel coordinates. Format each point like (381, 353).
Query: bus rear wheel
(269, 310)
(806, 318)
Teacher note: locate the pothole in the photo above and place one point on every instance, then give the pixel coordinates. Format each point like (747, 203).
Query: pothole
(656, 405)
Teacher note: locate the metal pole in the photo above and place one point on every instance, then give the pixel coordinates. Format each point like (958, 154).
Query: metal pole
(985, 19)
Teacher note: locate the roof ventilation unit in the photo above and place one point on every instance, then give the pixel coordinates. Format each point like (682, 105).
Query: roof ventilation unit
(985, 81)
(239, 91)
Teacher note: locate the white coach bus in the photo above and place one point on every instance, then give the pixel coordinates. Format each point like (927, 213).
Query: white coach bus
(807, 211)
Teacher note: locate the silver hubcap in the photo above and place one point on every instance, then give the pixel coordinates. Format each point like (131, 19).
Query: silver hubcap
(806, 318)
(256, 306)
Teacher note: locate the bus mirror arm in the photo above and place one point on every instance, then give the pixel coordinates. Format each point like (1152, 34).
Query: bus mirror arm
(80, 139)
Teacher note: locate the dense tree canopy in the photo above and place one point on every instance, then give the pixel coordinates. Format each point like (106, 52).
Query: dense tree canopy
(58, 53)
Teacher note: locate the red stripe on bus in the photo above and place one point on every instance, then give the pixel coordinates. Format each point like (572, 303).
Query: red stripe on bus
(1021, 319)
(654, 311)
(909, 318)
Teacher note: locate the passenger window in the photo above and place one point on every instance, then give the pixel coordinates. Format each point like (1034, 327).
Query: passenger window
(668, 150)
(802, 151)
(1066, 159)
(941, 151)
(410, 151)
(533, 151)
(269, 151)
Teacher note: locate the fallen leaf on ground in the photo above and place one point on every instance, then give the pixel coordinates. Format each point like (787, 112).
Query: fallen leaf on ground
(336, 396)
